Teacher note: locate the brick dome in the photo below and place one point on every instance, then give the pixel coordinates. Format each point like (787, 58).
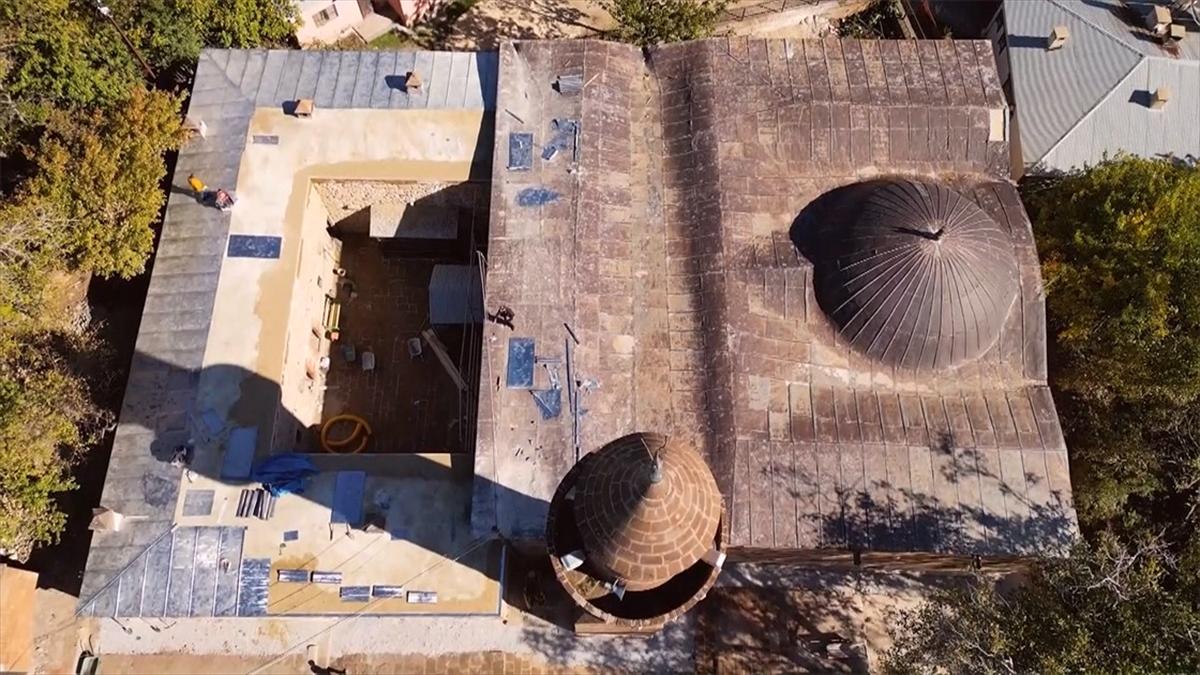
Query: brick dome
(913, 274)
(645, 524)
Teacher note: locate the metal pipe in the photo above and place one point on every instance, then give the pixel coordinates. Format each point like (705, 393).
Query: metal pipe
(106, 12)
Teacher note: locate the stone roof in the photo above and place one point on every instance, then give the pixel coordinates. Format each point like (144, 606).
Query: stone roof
(913, 273)
(667, 251)
(641, 523)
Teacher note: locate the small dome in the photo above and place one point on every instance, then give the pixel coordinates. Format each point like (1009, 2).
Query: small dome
(912, 273)
(641, 523)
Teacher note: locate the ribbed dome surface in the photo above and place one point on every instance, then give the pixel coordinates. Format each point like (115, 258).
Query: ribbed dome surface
(646, 532)
(914, 274)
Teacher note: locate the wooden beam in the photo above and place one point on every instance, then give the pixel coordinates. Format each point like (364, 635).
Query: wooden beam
(439, 350)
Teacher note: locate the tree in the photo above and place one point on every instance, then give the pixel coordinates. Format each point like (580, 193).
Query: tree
(880, 21)
(650, 22)
(47, 420)
(171, 33)
(1107, 608)
(31, 236)
(103, 173)
(250, 23)
(59, 55)
(1120, 247)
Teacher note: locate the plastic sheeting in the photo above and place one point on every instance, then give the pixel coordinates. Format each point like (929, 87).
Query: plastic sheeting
(284, 473)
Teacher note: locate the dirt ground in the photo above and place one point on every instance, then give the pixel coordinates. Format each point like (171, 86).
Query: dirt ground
(805, 620)
(489, 21)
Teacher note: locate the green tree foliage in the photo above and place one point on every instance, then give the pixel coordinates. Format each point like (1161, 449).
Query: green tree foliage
(249, 23)
(47, 420)
(171, 33)
(102, 171)
(651, 22)
(31, 238)
(58, 55)
(880, 21)
(1105, 609)
(84, 142)
(1120, 247)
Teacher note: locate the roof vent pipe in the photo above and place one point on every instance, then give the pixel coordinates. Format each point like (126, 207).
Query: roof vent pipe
(1160, 97)
(1058, 38)
(1158, 18)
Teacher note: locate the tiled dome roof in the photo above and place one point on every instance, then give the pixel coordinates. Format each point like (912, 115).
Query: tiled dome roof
(914, 274)
(642, 524)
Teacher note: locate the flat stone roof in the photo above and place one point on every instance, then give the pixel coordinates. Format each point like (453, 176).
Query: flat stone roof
(660, 238)
(188, 366)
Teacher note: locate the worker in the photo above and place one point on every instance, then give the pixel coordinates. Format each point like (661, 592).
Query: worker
(198, 185)
(223, 200)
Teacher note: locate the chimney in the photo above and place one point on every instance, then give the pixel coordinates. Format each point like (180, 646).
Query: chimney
(1160, 98)
(1058, 38)
(1158, 18)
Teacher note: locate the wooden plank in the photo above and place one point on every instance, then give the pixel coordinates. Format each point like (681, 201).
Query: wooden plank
(439, 350)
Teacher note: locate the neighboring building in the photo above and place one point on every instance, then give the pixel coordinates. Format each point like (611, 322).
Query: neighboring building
(412, 12)
(18, 600)
(327, 21)
(764, 299)
(1121, 77)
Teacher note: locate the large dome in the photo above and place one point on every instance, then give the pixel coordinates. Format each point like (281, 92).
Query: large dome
(913, 274)
(642, 523)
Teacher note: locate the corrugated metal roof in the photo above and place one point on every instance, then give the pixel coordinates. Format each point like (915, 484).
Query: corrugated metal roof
(1122, 20)
(1055, 89)
(1124, 122)
(1089, 98)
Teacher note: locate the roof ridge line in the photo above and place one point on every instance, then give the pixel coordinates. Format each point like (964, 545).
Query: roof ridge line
(1115, 38)
(1179, 61)
(1095, 106)
(224, 70)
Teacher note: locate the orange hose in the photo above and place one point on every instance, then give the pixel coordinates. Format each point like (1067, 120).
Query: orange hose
(362, 432)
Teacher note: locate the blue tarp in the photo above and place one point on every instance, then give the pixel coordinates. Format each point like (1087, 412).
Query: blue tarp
(348, 490)
(284, 473)
(536, 196)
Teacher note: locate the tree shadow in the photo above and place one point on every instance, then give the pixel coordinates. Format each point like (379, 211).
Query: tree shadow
(489, 22)
(777, 629)
(945, 522)
(670, 650)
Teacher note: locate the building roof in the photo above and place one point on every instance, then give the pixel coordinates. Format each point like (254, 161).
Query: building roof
(913, 273)
(666, 251)
(1091, 97)
(642, 522)
(161, 408)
